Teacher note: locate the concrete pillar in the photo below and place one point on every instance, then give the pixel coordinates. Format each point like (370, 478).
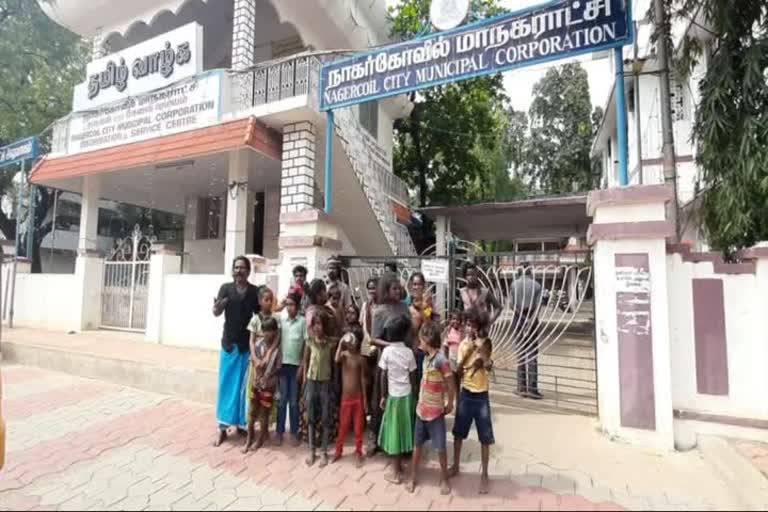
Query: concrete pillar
(164, 261)
(307, 238)
(89, 280)
(298, 180)
(237, 208)
(243, 34)
(89, 214)
(89, 266)
(628, 235)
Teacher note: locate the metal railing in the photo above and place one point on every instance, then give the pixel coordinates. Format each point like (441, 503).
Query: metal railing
(285, 78)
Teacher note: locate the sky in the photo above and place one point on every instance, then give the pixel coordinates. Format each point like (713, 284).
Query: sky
(519, 83)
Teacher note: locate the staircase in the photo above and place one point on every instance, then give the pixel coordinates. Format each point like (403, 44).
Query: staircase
(374, 171)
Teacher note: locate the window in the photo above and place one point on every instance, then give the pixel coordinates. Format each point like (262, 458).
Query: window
(369, 117)
(209, 214)
(677, 94)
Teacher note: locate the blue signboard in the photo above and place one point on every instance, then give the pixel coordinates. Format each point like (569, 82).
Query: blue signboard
(556, 30)
(19, 151)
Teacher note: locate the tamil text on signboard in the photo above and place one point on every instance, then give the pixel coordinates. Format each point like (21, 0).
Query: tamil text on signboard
(436, 270)
(141, 68)
(552, 31)
(19, 151)
(187, 105)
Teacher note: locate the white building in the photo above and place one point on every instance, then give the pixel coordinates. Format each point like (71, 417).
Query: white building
(645, 141)
(209, 109)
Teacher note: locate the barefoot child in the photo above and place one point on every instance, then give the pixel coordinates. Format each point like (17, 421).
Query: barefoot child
(334, 303)
(474, 406)
(435, 401)
(452, 337)
(293, 336)
(351, 318)
(316, 368)
(353, 395)
(398, 367)
(266, 307)
(266, 361)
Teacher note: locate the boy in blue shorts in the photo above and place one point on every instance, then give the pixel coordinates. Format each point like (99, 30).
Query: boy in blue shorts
(474, 364)
(435, 401)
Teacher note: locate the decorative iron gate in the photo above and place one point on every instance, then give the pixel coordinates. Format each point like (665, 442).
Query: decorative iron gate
(557, 332)
(126, 283)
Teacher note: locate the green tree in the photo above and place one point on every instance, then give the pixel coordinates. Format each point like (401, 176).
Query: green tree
(450, 148)
(557, 155)
(41, 63)
(516, 139)
(731, 125)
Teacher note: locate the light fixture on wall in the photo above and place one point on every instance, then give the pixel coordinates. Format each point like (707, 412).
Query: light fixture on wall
(235, 187)
(178, 165)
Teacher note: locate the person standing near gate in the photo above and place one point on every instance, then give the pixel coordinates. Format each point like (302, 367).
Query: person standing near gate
(474, 296)
(239, 301)
(334, 279)
(526, 299)
(390, 304)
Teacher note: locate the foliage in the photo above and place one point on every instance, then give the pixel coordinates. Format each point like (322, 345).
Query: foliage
(41, 64)
(451, 147)
(562, 127)
(731, 125)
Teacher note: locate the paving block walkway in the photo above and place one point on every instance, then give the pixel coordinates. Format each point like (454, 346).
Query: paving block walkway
(78, 444)
(754, 452)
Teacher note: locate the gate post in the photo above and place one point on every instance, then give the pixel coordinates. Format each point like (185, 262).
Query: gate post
(165, 260)
(89, 266)
(308, 238)
(89, 281)
(629, 234)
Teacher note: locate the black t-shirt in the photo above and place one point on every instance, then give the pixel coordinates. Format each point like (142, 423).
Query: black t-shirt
(237, 313)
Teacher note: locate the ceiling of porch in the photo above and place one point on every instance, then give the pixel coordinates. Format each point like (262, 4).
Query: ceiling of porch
(165, 186)
(536, 218)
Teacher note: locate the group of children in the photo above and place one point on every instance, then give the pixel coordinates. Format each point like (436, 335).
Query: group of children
(321, 347)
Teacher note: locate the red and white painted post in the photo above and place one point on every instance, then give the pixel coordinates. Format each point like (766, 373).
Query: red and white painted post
(629, 236)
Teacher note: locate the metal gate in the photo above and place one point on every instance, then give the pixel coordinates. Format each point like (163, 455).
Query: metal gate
(126, 284)
(558, 334)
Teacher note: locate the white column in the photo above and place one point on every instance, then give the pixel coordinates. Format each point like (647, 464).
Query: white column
(237, 208)
(164, 261)
(306, 238)
(628, 234)
(89, 214)
(89, 266)
(243, 34)
(298, 183)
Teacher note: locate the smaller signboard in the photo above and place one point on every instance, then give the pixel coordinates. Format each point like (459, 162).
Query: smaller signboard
(188, 105)
(141, 68)
(436, 271)
(26, 149)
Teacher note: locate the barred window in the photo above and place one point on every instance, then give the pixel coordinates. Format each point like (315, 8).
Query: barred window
(677, 97)
(209, 217)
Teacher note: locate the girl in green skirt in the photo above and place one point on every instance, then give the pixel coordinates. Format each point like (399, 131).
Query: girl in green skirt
(398, 381)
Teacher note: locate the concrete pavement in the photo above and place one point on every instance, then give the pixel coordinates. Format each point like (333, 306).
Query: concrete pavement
(83, 444)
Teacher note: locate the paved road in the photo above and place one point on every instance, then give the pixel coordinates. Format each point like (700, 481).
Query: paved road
(77, 444)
